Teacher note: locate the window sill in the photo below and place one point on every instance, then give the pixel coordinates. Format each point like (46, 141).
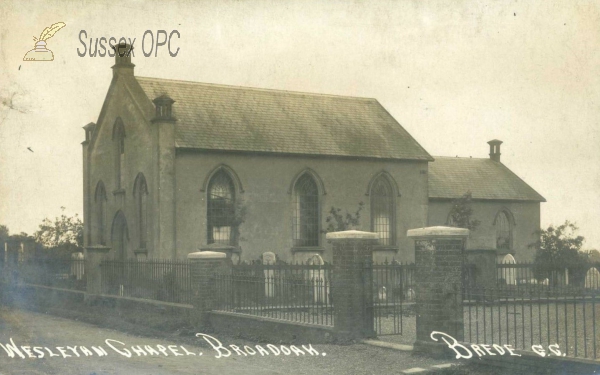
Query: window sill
(221, 248)
(307, 249)
(140, 251)
(119, 192)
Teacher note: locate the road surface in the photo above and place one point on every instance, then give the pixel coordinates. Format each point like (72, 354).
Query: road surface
(53, 345)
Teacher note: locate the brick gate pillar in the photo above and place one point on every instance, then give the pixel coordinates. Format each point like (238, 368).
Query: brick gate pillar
(94, 255)
(204, 266)
(439, 256)
(352, 283)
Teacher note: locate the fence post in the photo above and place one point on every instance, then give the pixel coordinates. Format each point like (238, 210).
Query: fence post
(204, 266)
(353, 283)
(439, 257)
(94, 255)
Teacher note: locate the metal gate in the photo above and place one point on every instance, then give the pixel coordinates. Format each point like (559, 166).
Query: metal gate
(393, 294)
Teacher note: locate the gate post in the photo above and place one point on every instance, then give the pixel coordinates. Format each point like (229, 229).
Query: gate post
(439, 256)
(352, 283)
(204, 266)
(94, 255)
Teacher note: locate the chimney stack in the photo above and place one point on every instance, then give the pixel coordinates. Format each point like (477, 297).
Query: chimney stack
(495, 149)
(164, 109)
(123, 65)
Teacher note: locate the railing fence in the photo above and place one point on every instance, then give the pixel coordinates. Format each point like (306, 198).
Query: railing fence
(393, 291)
(162, 280)
(534, 316)
(58, 273)
(293, 292)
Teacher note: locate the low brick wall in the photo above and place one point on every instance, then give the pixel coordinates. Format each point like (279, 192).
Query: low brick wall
(141, 315)
(270, 330)
(131, 314)
(39, 297)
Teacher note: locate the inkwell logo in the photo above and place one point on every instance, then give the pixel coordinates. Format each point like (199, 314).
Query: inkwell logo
(40, 52)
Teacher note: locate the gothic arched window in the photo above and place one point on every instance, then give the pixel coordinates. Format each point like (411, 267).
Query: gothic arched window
(503, 231)
(382, 211)
(221, 209)
(306, 212)
(120, 237)
(140, 193)
(119, 138)
(100, 214)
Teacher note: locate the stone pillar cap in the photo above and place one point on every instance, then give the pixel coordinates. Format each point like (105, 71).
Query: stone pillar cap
(438, 232)
(207, 255)
(352, 234)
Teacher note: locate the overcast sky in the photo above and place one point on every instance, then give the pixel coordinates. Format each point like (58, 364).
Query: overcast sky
(455, 74)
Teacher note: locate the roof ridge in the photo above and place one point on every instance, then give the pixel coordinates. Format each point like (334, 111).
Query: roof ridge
(461, 157)
(219, 85)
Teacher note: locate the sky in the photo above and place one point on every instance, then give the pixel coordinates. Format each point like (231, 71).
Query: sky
(454, 74)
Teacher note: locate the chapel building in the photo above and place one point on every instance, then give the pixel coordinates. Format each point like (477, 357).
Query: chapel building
(173, 167)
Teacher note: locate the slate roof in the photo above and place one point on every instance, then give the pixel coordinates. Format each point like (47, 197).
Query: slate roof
(450, 178)
(218, 117)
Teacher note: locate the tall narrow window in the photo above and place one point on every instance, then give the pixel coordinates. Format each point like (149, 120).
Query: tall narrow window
(120, 237)
(382, 211)
(503, 231)
(306, 215)
(221, 209)
(140, 194)
(100, 214)
(119, 138)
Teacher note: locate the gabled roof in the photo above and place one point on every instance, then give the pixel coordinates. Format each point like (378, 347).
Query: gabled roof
(450, 178)
(230, 118)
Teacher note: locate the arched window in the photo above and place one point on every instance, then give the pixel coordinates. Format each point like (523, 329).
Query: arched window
(221, 209)
(382, 211)
(119, 138)
(503, 231)
(306, 212)
(100, 213)
(140, 193)
(120, 237)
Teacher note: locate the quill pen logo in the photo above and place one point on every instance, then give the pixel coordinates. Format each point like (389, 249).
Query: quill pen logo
(40, 52)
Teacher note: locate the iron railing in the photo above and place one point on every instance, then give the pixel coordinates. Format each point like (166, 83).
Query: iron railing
(58, 273)
(393, 295)
(517, 274)
(156, 279)
(292, 292)
(526, 274)
(526, 317)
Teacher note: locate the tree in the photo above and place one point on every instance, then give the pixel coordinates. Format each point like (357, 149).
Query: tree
(63, 231)
(17, 245)
(336, 222)
(460, 214)
(3, 234)
(593, 256)
(559, 248)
